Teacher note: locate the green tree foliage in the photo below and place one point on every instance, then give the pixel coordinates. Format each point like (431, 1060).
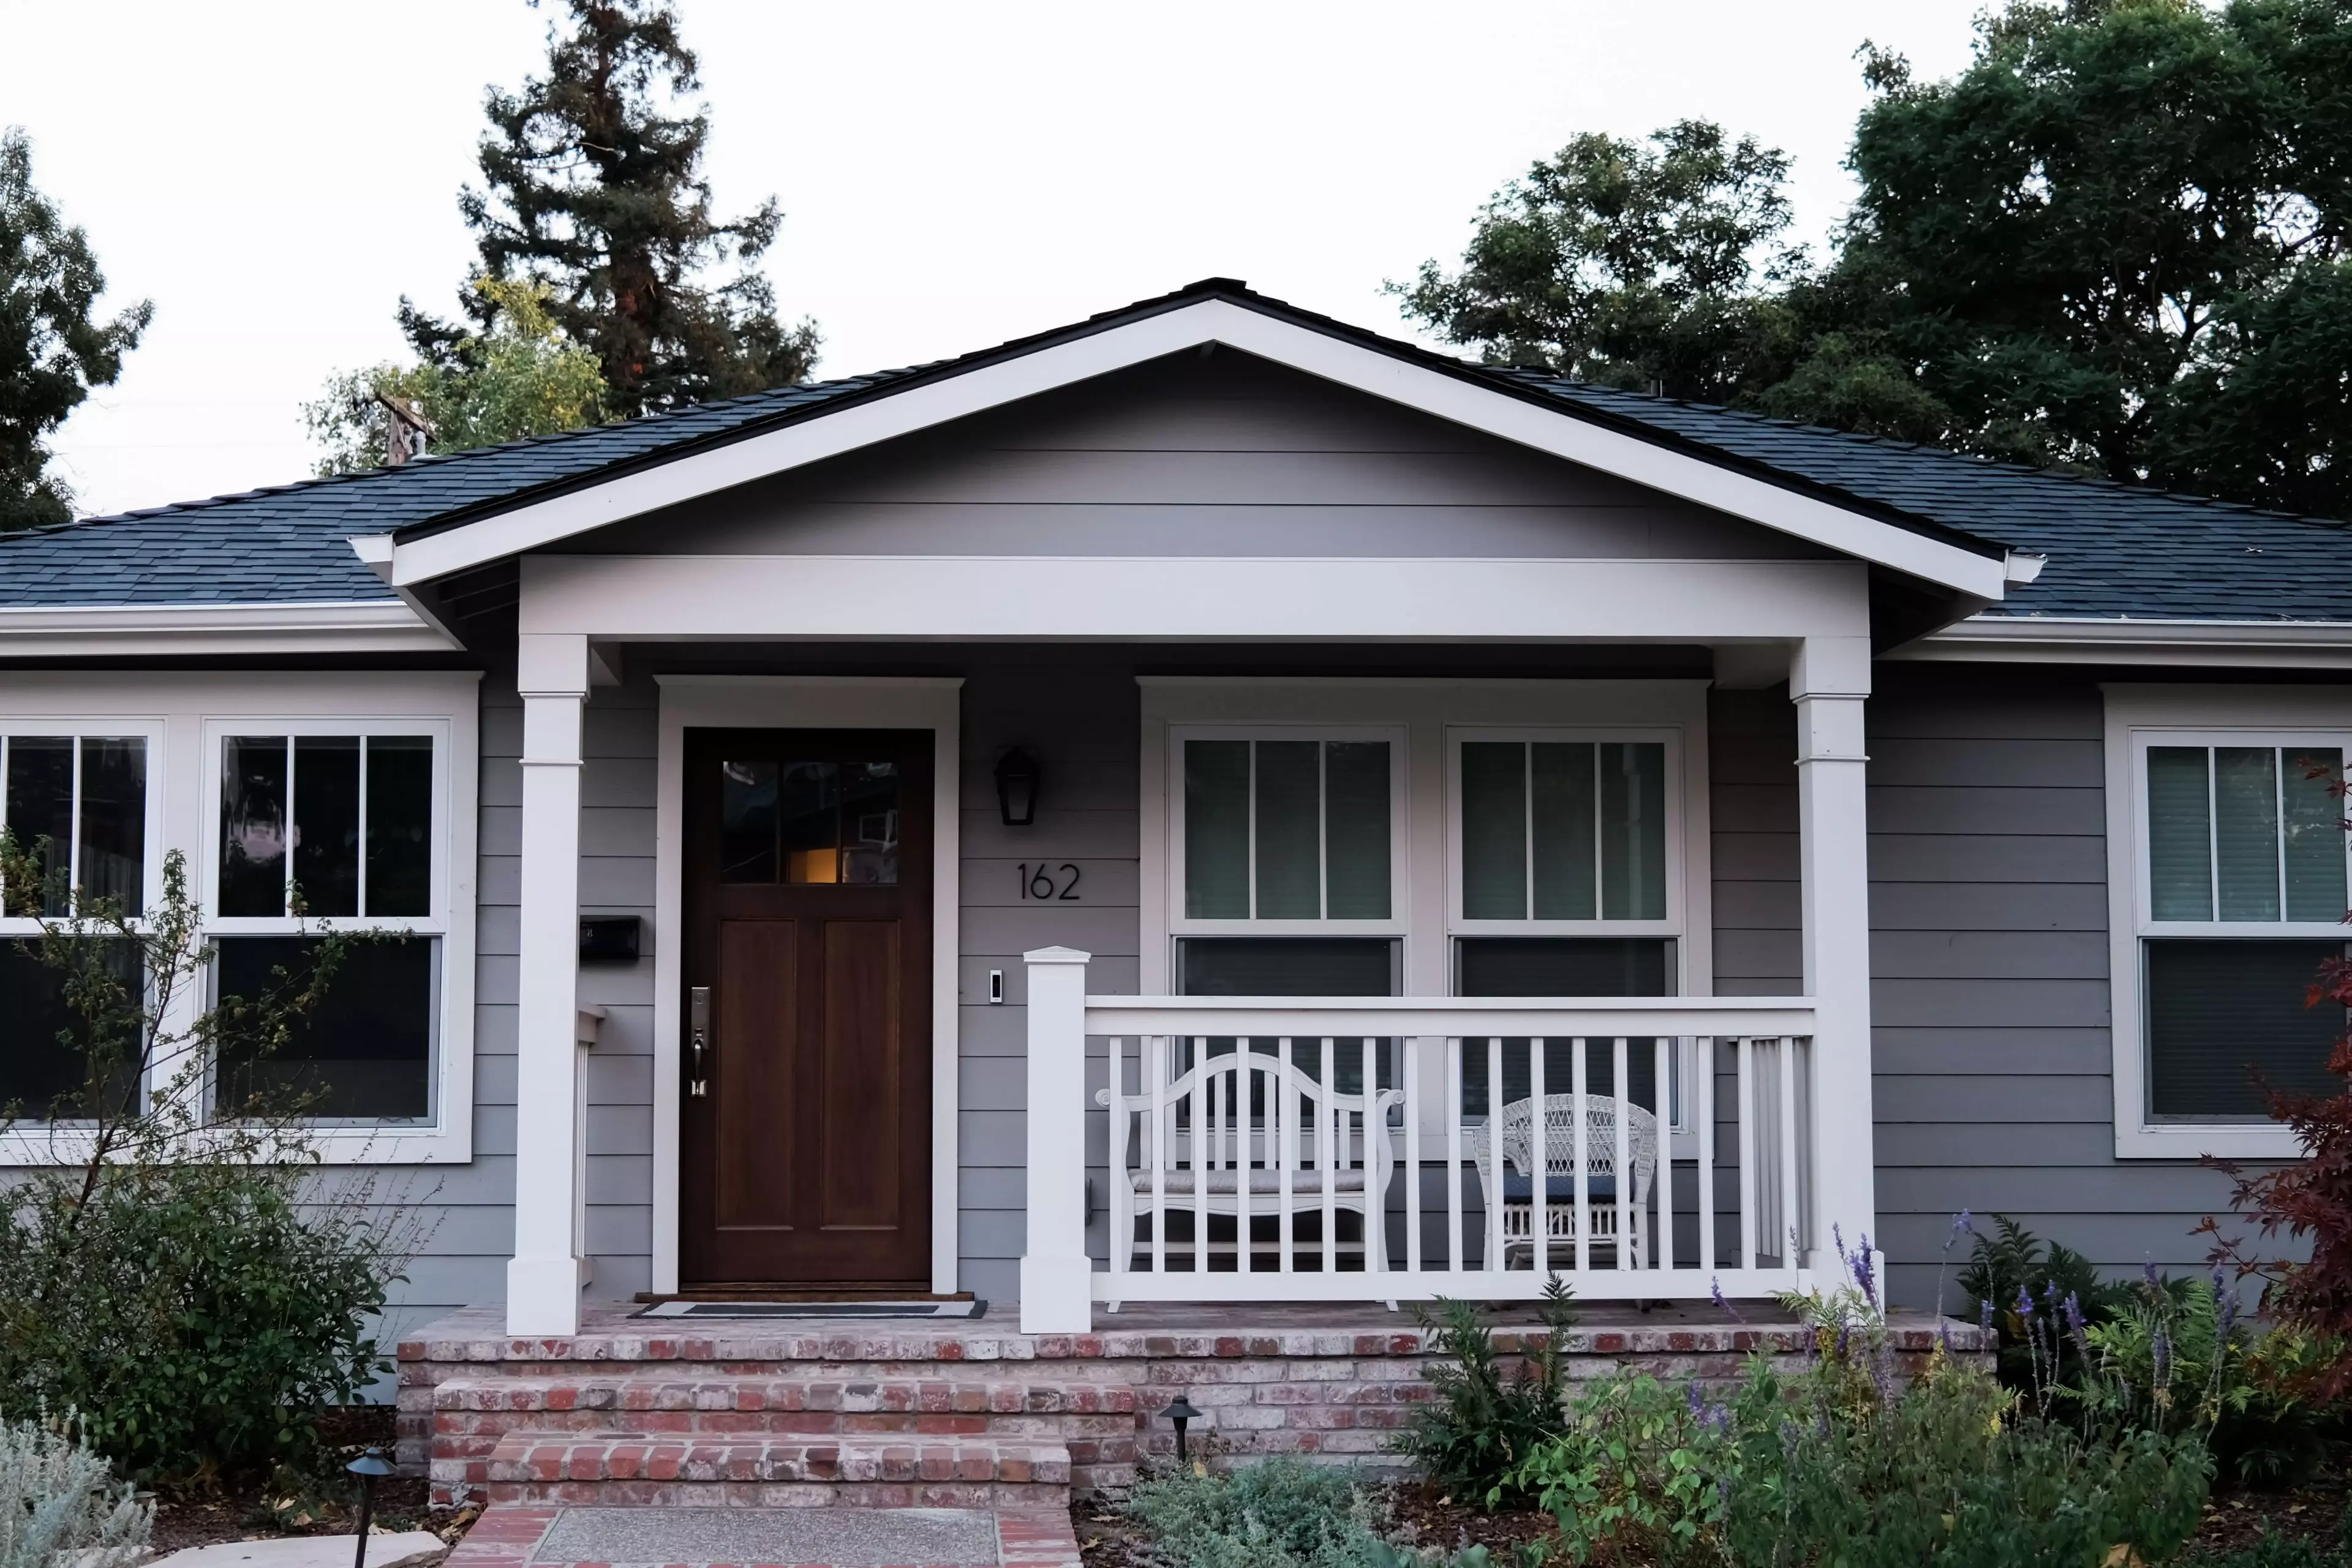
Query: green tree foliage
(52, 349)
(522, 377)
(2116, 243)
(593, 187)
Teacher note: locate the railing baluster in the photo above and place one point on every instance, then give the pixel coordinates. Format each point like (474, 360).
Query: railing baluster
(1412, 1074)
(1122, 1229)
(1703, 1127)
(1457, 1244)
(1662, 1115)
(1286, 1138)
(1192, 1150)
(1623, 1083)
(1579, 1068)
(1157, 1154)
(1244, 1078)
(1376, 1197)
(1327, 1112)
(1748, 1186)
(1495, 1259)
(1791, 1253)
(1540, 1140)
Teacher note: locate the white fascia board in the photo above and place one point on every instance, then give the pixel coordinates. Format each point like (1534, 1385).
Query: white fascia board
(2059, 639)
(142, 630)
(1559, 431)
(685, 598)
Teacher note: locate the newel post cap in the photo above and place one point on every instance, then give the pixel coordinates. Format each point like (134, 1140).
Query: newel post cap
(1056, 955)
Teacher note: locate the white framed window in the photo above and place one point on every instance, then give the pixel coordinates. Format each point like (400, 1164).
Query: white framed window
(1288, 829)
(2228, 861)
(341, 824)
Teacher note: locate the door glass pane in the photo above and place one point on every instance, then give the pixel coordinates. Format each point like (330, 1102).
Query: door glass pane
(400, 825)
(2180, 854)
(1561, 778)
(253, 826)
(327, 824)
(1289, 831)
(114, 821)
(1494, 830)
(808, 822)
(1216, 830)
(2220, 1010)
(40, 808)
(1356, 830)
(869, 813)
(2315, 835)
(2245, 832)
(747, 822)
(1633, 831)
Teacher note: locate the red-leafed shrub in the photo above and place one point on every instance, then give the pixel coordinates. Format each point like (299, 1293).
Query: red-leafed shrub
(2310, 1200)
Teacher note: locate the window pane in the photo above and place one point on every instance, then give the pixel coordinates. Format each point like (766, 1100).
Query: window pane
(253, 826)
(365, 1054)
(1563, 785)
(2180, 854)
(808, 820)
(42, 1076)
(400, 825)
(1289, 831)
(40, 807)
(747, 822)
(2315, 835)
(1633, 831)
(1216, 830)
(1494, 830)
(327, 824)
(1356, 831)
(114, 821)
(1562, 966)
(1293, 966)
(2245, 831)
(2218, 1010)
(869, 811)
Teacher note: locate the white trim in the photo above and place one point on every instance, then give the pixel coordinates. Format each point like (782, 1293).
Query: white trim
(184, 706)
(808, 703)
(2136, 715)
(2067, 639)
(931, 599)
(1558, 430)
(167, 630)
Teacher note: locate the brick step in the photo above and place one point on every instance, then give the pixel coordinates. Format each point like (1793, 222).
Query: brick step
(637, 1467)
(491, 1406)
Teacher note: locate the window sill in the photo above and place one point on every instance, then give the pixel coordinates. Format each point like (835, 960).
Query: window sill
(2191, 1141)
(26, 1146)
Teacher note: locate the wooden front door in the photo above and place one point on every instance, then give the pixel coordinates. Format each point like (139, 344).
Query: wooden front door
(807, 1111)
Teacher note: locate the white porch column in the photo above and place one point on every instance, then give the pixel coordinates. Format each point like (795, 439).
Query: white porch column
(1829, 680)
(543, 1278)
(1056, 1276)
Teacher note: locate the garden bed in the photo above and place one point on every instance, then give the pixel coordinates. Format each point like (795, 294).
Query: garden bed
(250, 1510)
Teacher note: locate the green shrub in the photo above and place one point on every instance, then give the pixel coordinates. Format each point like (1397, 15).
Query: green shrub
(60, 1504)
(1483, 1424)
(1280, 1513)
(2271, 1550)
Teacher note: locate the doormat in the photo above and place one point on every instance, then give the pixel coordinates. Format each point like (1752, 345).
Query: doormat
(930, 1310)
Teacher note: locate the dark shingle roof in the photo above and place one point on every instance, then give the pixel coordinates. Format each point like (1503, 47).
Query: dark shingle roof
(2114, 550)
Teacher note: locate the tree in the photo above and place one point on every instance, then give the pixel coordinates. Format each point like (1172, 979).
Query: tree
(1633, 266)
(52, 349)
(523, 377)
(594, 188)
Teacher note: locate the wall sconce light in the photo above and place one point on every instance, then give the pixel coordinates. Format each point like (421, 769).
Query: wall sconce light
(1016, 788)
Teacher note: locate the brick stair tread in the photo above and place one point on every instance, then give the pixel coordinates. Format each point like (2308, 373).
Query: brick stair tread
(547, 1458)
(754, 1392)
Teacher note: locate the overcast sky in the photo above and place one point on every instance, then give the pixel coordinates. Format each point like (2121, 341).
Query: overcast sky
(276, 173)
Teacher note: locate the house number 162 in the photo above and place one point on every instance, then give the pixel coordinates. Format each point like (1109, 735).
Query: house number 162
(1037, 883)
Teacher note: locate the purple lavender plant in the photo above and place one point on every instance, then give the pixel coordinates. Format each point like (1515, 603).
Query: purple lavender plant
(2075, 1328)
(1714, 1289)
(1984, 1313)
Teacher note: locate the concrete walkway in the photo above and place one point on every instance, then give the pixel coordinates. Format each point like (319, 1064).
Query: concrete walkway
(511, 1536)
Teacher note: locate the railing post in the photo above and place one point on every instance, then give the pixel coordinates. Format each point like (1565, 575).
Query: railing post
(1056, 1276)
(1829, 680)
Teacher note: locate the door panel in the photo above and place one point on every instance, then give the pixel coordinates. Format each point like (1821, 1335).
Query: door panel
(806, 1153)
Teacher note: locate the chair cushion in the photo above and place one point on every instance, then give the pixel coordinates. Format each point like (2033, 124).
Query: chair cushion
(1558, 1189)
(1266, 1183)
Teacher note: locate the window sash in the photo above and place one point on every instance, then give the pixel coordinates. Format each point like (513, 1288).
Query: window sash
(81, 732)
(1262, 869)
(1609, 890)
(2169, 891)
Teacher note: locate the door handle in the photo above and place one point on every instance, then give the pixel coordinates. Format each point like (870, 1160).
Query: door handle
(699, 1044)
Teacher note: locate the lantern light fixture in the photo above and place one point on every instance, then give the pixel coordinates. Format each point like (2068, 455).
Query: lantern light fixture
(1017, 777)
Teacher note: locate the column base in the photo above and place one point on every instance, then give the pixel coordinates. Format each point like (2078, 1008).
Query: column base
(544, 1296)
(1058, 1295)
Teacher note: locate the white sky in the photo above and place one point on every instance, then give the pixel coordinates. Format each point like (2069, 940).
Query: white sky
(275, 173)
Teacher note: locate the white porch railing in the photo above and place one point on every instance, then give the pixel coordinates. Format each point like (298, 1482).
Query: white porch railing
(1383, 1150)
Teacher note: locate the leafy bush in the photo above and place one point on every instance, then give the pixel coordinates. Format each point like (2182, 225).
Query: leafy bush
(2271, 1550)
(1474, 1435)
(1280, 1513)
(2013, 1264)
(60, 1504)
(168, 1272)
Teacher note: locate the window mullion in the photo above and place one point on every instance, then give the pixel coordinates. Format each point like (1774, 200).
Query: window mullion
(285, 833)
(2278, 823)
(1600, 878)
(73, 832)
(1322, 829)
(362, 839)
(1250, 839)
(2212, 835)
(1527, 826)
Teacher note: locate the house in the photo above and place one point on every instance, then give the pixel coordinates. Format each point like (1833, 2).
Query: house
(806, 799)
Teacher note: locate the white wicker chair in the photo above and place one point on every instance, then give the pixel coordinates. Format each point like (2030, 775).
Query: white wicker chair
(1515, 1193)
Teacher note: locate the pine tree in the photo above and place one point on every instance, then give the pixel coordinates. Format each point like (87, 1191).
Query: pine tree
(594, 188)
(51, 350)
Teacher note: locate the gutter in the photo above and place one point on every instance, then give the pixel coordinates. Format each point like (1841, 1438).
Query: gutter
(138, 631)
(2109, 639)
